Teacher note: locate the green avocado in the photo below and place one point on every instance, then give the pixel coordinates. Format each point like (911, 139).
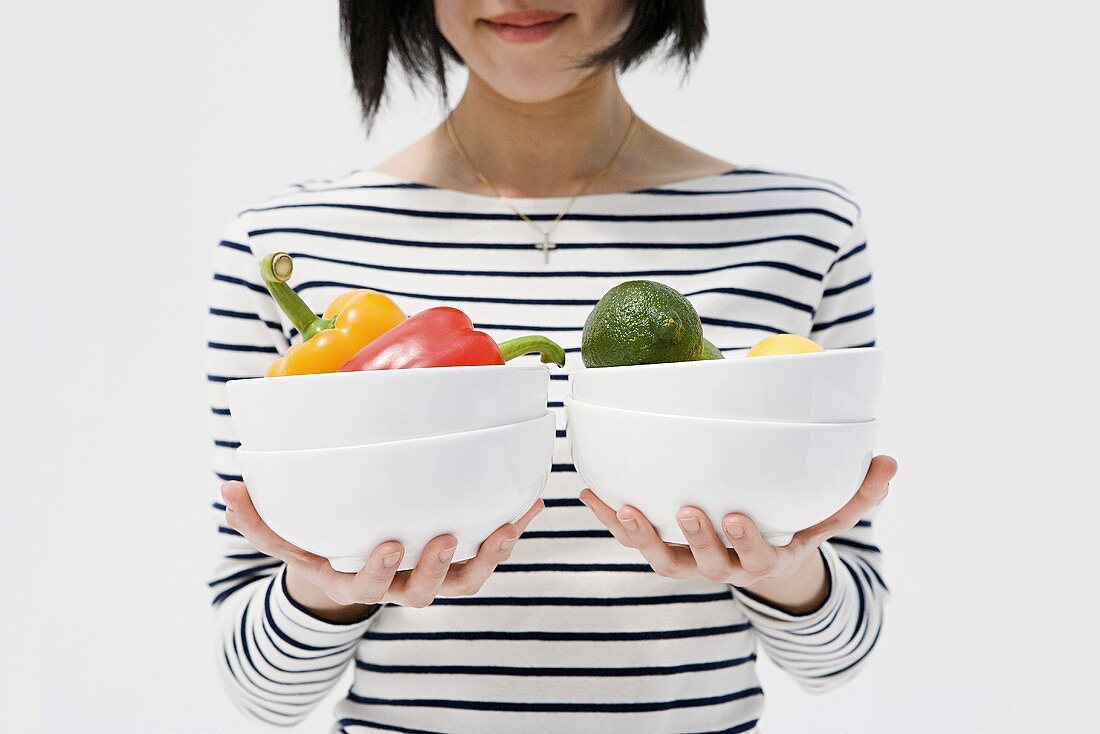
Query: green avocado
(643, 322)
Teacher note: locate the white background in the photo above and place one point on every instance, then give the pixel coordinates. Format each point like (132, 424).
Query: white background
(132, 131)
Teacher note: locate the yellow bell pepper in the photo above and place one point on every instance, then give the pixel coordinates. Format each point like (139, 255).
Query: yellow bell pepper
(350, 322)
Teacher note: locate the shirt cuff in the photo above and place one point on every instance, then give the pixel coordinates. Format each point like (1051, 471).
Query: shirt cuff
(761, 613)
(297, 625)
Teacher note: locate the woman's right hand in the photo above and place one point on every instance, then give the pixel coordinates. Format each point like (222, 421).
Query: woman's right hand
(349, 597)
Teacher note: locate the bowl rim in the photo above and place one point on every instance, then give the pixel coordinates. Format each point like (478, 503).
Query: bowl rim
(791, 425)
(548, 415)
(335, 376)
(735, 359)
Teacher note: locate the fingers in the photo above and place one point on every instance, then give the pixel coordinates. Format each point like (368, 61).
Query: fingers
(755, 555)
(528, 516)
(468, 578)
(711, 555)
(241, 515)
(371, 584)
(606, 515)
(666, 560)
(873, 491)
(419, 587)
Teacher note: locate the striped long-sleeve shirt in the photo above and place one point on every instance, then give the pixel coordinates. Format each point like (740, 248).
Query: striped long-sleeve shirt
(574, 632)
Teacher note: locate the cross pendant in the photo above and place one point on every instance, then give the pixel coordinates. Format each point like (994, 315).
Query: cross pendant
(546, 246)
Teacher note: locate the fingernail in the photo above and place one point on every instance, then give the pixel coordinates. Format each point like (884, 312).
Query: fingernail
(507, 543)
(445, 555)
(629, 523)
(390, 559)
(735, 529)
(690, 523)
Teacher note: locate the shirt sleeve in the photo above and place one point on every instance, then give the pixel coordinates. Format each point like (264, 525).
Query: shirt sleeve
(845, 315)
(828, 646)
(278, 661)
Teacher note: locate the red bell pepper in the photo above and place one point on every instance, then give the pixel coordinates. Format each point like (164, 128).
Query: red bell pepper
(445, 337)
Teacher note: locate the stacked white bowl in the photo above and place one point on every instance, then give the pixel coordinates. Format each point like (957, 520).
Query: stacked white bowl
(338, 463)
(786, 440)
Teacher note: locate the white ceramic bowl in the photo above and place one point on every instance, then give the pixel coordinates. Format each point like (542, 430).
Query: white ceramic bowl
(358, 408)
(833, 386)
(784, 476)
(341, 503)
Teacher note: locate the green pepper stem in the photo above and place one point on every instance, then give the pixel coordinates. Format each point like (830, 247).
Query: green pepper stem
(275, 269)
(550, 351)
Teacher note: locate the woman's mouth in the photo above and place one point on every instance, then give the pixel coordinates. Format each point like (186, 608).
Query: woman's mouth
(525, 26)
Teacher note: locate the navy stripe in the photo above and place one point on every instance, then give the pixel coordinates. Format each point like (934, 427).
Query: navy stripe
(310, 284)
(739, 729)
(227, 378)
(549, 672)
(855, 544)
(844, 320)
(563, 468)
(525, 327)
(816, 242)
(242, 634)
(538, 534)
(846, 287)
(874, 572)
(863, 524)
(306, 190)
(285, 654)
(762, 172)
(346, 722)
(235, 246)
(225, 593)
(571, 216)
(240, 281)
(582, 601)
(581, 273)
(758, 295)
(246, 315)
(218, 506)
(220, 411)
(544, 636)
(250, 571)
(555, 404)
(854, 251)
(573, 567)
(563, 502)
(563, 707)
(242, 348)
(247, 556)
(735, 192)
(270, 619)
(229, 477)
(228, 531)
(228, 444)
(864, 345)
(248, 704)
(710, 321)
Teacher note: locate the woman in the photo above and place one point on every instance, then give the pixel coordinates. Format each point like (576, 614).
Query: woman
(538, 193)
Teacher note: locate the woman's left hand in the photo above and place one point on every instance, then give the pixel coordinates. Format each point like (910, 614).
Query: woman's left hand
(752, 562)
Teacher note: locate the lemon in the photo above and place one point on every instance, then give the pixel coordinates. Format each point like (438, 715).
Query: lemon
(784, 344)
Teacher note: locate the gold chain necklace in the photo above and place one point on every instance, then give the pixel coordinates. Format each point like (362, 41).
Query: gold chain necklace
(546, 244)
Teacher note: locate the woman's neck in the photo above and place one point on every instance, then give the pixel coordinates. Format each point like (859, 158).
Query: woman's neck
(546, 148)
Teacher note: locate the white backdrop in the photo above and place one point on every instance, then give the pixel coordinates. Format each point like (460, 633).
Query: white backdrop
(132, 131)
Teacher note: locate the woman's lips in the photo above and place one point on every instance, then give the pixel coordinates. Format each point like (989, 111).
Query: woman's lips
(525, 26)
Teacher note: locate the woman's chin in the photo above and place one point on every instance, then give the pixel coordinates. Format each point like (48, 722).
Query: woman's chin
(535, 87)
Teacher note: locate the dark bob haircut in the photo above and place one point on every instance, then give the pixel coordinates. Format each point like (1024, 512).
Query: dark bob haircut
(376, 30)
